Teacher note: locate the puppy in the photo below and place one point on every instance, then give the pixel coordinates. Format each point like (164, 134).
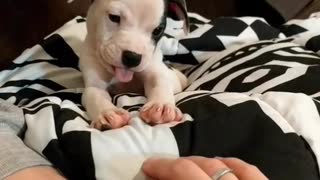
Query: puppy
(120, 54)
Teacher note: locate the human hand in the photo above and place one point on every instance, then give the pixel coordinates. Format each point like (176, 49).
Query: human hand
(200, 168)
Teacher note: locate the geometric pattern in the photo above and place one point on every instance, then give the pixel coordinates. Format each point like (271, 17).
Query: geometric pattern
(215, 35)
(252, 94)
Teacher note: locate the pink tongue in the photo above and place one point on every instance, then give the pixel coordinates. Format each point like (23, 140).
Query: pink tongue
(123, 75)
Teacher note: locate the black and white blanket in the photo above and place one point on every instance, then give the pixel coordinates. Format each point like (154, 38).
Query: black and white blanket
(254, 94)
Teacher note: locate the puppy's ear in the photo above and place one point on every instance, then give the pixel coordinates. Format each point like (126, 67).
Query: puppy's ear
(177, 10)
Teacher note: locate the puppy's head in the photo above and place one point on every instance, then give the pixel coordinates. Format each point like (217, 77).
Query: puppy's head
(124, 33)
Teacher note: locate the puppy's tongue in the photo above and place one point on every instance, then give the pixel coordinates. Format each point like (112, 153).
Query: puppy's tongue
(123, 75)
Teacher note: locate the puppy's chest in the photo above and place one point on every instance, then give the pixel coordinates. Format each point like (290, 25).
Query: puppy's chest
(134, 86)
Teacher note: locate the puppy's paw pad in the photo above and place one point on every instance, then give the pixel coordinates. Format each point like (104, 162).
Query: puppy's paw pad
(159, 113)
(111, 119)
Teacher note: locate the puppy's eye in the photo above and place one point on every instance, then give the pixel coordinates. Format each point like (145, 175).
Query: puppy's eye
(157, 31)
(114, 18)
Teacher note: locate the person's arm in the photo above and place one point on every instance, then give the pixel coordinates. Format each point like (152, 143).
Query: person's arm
(17, 161)
(36, 173)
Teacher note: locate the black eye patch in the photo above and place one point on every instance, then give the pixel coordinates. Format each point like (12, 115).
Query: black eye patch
(114, 18)
(159, 31)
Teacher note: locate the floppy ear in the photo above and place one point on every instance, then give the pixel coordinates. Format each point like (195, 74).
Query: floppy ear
(177, 10)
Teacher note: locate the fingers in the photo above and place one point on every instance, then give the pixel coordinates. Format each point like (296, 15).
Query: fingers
(173, 169)
(200, 168)
(211, 166)
(244, 170)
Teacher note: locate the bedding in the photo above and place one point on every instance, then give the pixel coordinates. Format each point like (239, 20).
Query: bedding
(253, 93)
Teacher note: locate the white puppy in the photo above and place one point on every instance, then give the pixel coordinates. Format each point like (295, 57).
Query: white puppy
(120, 54)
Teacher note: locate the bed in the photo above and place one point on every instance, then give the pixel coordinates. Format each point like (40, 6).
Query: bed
(253, 93)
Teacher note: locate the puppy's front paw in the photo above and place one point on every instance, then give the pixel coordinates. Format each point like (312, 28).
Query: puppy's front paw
(111, 119)
(159, 113)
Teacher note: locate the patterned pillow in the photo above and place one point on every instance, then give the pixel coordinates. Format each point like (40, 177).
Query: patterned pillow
(208, 37)
(305, 32)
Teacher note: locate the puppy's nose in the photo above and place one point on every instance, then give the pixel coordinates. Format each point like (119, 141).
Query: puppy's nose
(131, 59)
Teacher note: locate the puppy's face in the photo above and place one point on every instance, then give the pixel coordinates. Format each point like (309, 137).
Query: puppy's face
(124, 33)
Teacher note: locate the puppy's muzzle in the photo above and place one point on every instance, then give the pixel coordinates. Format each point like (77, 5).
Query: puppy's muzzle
(131, 59)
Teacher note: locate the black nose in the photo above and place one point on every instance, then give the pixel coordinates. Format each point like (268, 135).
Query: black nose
(131, 59)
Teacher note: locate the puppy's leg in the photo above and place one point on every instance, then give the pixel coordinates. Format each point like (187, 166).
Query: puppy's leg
(101, 111)
(161, 83)
(96, 99)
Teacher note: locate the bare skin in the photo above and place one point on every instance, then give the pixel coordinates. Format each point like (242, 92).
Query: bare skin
(188, 168)
(200, 168)
(36, 173)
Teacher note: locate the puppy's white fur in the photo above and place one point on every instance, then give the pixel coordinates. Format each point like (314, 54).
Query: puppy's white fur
(102, 53)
